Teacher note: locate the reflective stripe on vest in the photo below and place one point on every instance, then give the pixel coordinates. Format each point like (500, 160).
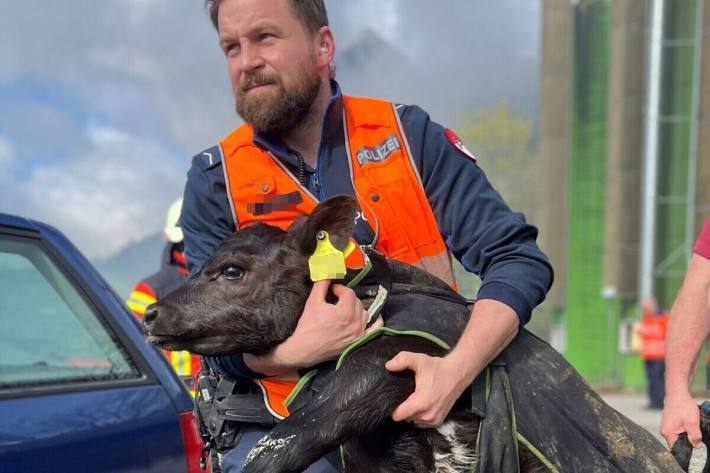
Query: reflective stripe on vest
(183, 362)
(387, 187)
(140, 298)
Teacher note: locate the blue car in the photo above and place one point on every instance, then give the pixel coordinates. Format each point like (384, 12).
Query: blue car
(80, 389)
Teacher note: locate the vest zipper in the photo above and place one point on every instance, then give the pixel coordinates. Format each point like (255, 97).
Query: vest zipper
(302, 175)
(316, 185)
(301, 169)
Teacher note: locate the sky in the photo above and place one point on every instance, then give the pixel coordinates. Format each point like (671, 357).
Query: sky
(104, 102)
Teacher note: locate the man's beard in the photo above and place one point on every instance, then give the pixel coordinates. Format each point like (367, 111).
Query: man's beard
(272, 114)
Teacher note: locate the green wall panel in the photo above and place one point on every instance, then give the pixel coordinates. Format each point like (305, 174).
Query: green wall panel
(588, 316)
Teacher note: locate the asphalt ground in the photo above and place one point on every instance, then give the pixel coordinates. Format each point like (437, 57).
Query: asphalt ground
(632, 405)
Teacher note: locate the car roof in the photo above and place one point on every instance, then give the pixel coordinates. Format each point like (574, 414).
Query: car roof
(16, 221)
(26, 224)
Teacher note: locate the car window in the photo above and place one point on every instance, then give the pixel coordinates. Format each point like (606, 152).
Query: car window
(49, 334)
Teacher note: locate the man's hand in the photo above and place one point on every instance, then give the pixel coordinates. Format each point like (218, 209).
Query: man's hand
(438, 387)
(440, 381)
(323, 332)
(687, 331)
(681, 414)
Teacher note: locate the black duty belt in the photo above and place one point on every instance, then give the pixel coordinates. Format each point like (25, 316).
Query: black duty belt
(246, 408)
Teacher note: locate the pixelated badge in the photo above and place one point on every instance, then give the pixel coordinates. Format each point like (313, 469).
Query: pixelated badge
(328, 262)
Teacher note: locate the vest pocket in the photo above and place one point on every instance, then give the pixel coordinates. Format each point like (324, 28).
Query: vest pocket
(393, 240)
(396, 185)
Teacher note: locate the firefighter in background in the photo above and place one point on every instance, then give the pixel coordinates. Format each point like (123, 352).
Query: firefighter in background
(173, 273)
(652, 330)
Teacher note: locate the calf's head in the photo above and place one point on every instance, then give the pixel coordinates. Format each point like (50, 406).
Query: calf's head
(252, 290)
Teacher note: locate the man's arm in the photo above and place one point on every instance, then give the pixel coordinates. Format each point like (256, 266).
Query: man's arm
(206, 217)
(687, 329)
(478, 227)
(489, 240)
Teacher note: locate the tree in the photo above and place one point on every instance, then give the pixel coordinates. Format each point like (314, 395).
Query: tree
(502, 140)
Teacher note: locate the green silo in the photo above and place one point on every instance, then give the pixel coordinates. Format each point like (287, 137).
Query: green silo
(590, 346)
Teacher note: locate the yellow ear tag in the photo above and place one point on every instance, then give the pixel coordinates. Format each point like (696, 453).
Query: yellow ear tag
(349, 249)
(327, 262)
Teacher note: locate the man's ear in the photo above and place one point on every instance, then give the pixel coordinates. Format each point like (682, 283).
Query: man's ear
(335, 216)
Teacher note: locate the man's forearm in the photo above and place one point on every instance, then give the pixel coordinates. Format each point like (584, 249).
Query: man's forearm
(273, 363)
(688, 326)
(492, 326)
(687, 330)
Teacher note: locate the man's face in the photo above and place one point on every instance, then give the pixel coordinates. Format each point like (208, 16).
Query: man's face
(272, 61)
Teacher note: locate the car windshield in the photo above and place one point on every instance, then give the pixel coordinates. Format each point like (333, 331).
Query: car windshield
(49, 333)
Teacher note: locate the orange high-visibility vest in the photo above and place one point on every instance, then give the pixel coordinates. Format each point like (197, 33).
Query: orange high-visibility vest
(653, 330)
(387, 186)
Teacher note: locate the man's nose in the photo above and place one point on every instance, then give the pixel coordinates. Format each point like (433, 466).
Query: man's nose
(249, 58)
(150, 314)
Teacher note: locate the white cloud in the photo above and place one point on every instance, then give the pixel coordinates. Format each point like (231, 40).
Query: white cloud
(168, 50)
(151, 73)
(114, 194)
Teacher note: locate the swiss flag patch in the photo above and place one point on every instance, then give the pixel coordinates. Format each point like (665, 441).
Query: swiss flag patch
(458, 144)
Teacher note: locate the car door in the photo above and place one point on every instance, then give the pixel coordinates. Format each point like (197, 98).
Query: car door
(75, 395)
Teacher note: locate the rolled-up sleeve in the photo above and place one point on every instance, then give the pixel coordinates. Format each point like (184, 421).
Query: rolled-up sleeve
(702, 245)
(479, 228)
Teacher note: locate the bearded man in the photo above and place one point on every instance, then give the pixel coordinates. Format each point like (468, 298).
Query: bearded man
(421, 194)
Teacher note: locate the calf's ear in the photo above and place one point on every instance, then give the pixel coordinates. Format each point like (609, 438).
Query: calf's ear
(335, 216)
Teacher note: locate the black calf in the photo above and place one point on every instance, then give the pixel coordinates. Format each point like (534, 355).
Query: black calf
(248, 299)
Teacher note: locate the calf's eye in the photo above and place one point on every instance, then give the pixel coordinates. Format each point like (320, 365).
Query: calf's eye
(232, 273)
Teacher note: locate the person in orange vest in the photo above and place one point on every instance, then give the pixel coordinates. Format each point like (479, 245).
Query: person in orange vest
(652, 331)
(421, 197)
(172, 274)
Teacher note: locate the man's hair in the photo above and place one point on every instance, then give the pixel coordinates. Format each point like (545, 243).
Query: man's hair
(311, 13)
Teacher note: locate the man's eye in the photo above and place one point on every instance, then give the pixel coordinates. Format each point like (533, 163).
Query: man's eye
(232, 273)
(231, 49)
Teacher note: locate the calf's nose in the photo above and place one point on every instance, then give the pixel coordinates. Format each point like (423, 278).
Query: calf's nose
(151, 313)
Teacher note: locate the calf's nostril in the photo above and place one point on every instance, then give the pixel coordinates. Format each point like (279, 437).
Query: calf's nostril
(150, 314)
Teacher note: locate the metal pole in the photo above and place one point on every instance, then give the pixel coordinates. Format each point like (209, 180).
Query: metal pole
(650, 155)
(694, 119)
